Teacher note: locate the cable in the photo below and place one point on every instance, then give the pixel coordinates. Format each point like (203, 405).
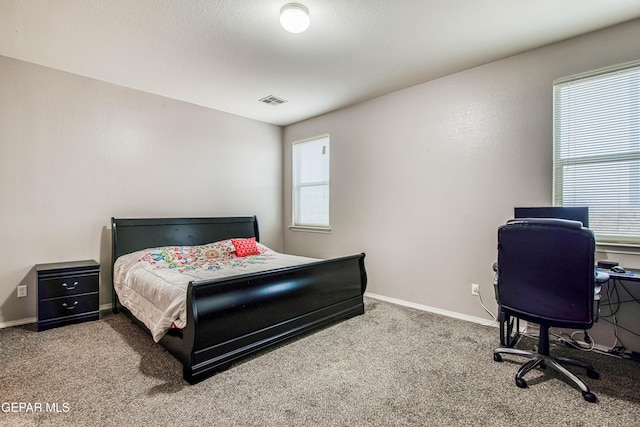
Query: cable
(617, 352)
(587, 340)
(614, 288)
(613, 315)
(493, 316)
(609, 301)
(625, 288)
(604, 303)
(572, 342)
(622, 327)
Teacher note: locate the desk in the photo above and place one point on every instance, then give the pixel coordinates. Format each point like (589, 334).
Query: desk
(632, 276)
(510, 326)
(618, 329)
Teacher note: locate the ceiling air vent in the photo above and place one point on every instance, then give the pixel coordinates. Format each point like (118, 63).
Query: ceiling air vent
(273, 100)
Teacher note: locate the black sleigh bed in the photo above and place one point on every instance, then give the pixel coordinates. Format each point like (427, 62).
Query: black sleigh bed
(232, 317)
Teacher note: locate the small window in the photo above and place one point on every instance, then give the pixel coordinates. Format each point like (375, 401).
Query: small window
(596, 155)
(310, 177)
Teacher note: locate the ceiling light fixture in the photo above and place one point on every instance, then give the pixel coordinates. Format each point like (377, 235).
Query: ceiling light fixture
(294, 18)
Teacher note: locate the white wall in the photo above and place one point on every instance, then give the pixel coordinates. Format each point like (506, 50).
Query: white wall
(422, 178)
(74, 152)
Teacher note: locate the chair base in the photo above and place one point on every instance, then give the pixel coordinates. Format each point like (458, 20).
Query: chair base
(537, 359)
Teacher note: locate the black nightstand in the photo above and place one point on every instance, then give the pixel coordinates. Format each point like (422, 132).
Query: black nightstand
(68, 292)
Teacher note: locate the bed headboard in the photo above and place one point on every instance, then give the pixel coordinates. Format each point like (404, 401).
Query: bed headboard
(134, 234)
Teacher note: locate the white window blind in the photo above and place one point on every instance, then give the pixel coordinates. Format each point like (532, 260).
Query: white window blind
(311, 183)
(596, 156)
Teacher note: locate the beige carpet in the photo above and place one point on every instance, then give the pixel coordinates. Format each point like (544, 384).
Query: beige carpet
(391, 366)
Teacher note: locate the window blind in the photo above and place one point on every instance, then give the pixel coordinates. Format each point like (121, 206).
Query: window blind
(596, 155)
(311, 183)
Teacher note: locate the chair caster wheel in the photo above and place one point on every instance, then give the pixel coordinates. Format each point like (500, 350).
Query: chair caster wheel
(589, 397)
(497, 357)
(593, 375)
(522, 383)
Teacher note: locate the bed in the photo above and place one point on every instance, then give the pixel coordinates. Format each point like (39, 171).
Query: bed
(229, 318)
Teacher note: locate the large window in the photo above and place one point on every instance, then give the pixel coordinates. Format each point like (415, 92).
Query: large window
(596, 155)
(311, 183)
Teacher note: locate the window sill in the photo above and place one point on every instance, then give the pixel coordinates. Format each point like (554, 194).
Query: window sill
(310, 229)
(621, 248)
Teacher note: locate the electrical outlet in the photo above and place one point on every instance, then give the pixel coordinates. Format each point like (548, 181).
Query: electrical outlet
(22, 291)
(475, 289)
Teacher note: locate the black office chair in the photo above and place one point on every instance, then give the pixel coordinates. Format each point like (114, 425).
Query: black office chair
(546, 275)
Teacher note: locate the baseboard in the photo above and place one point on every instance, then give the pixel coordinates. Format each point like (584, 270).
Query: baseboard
(19, 322)
(30, 320)
(435, 310)
(105, 307)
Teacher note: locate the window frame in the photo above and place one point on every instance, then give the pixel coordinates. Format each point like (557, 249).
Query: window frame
(600, 159)
(296, 225)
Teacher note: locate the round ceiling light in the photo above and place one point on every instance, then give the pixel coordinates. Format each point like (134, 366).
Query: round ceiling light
(294, 18)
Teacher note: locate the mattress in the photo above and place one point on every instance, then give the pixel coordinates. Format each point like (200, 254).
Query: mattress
(152, 283)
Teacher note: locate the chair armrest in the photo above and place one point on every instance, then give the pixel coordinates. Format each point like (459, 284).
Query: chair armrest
(601, 277)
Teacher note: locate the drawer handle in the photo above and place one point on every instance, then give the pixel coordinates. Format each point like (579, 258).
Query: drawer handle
(64, 285)
(64, 304)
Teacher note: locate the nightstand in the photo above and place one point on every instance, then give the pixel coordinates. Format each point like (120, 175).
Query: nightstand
(68, 292)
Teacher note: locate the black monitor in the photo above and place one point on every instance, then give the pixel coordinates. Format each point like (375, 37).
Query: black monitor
(573, 213)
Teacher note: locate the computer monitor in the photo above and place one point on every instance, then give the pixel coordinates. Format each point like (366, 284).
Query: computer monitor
(573, 213)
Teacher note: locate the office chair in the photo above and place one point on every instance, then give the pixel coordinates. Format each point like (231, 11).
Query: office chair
(546, 275)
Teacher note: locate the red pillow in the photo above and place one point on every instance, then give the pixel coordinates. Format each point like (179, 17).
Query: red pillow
(245, 247)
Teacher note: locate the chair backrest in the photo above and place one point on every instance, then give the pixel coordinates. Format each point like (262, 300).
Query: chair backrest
(546, 271)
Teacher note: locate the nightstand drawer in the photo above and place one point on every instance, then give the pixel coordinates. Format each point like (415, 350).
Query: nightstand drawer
(67, 306)
(68, 292)
(69, 285)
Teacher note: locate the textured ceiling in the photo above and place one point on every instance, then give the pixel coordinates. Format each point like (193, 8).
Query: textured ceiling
(228, 54)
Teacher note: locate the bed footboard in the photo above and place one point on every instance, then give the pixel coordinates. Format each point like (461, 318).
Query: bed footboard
(231, 318)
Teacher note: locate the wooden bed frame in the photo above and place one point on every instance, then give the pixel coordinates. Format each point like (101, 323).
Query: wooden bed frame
(233, 317)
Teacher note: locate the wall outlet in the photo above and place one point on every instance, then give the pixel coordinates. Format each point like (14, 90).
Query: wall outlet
(475, 289)
(22, 291)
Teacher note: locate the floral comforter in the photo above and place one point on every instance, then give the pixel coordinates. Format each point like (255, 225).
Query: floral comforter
(152, 283)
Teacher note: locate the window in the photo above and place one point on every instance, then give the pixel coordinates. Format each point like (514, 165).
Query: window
(596, 155)
(311, 183)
